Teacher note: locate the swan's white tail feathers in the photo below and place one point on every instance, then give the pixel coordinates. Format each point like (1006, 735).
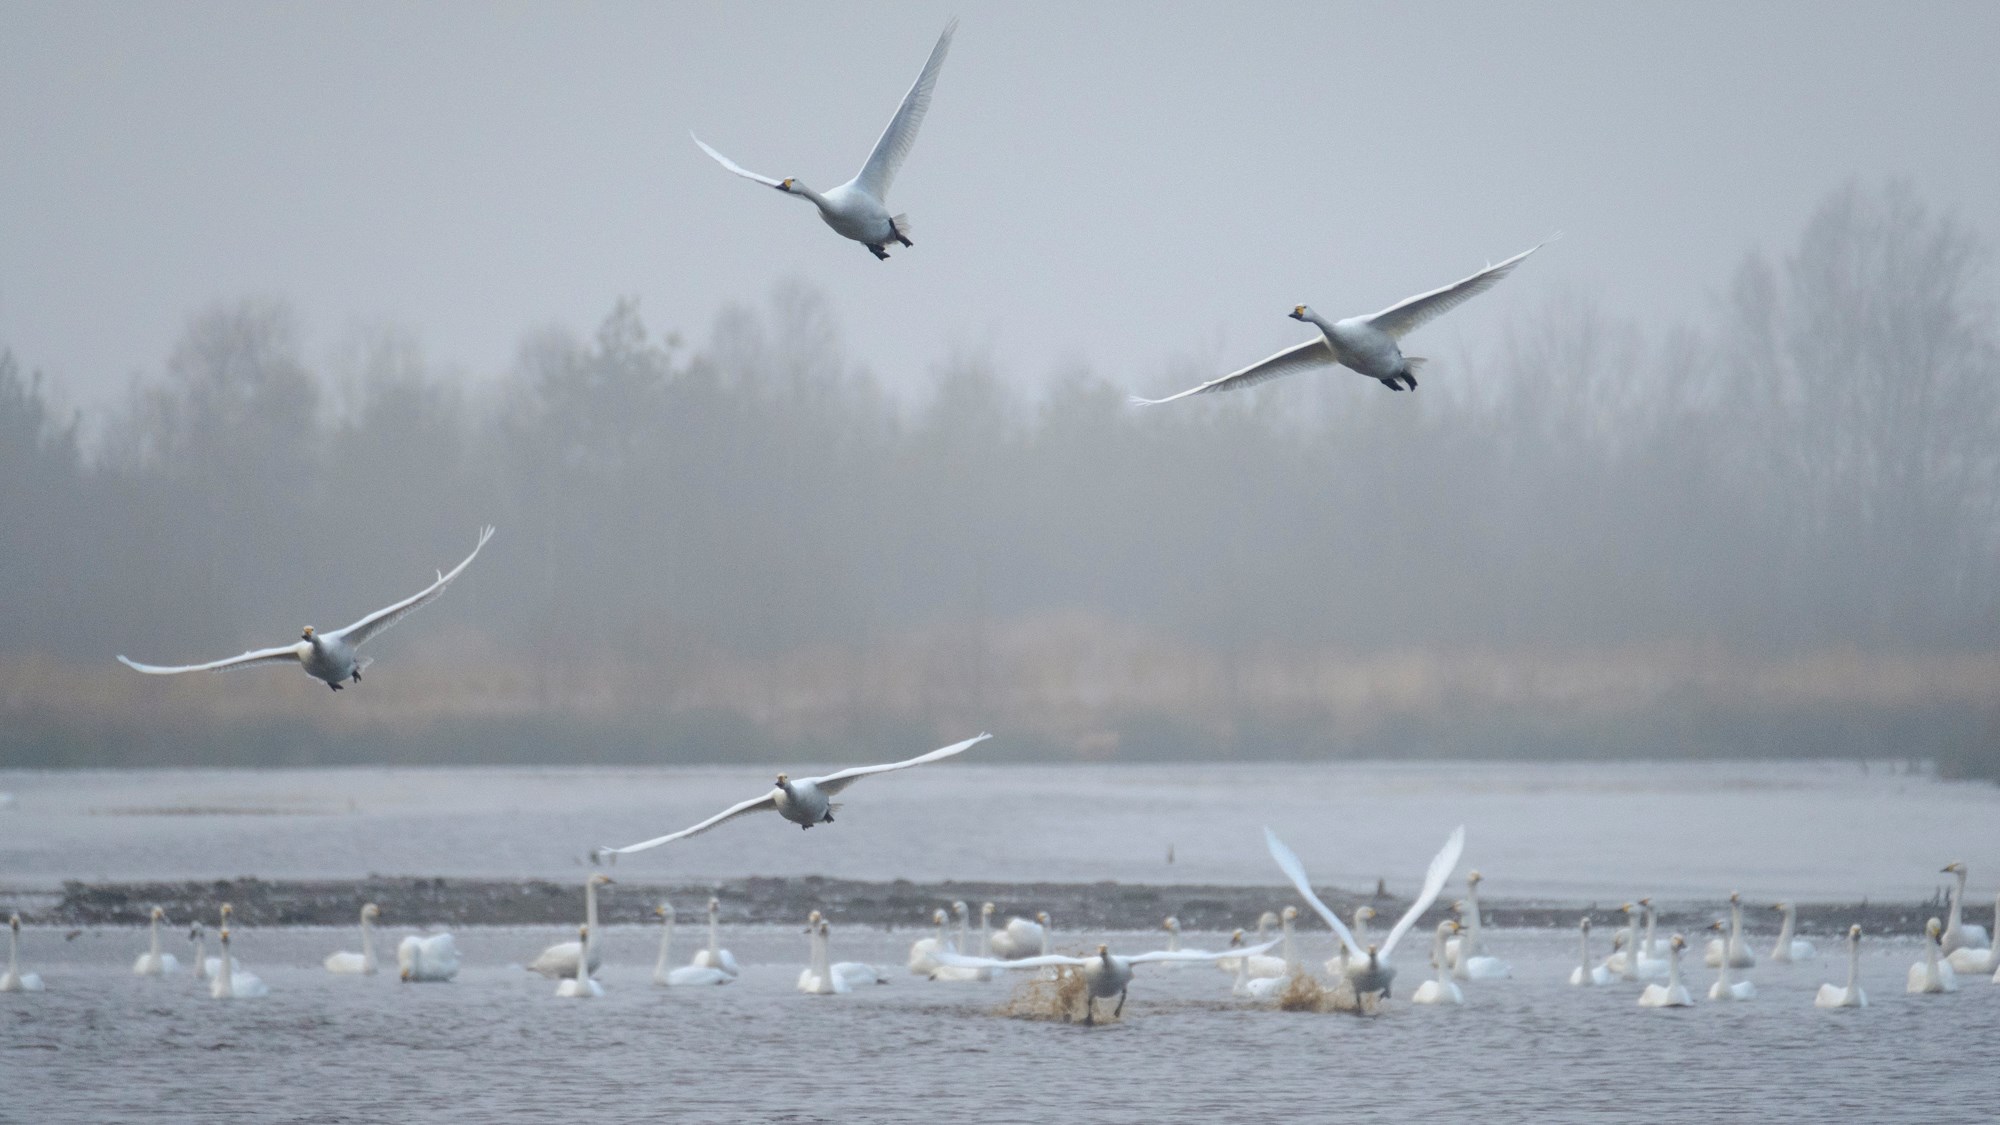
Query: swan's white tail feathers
(901, 225)
(1414, 362)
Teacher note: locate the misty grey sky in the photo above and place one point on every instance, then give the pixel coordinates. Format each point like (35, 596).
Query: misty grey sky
(1119, 185)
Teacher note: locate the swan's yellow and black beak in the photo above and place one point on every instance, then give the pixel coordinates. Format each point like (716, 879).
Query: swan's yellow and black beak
(1299, 313)
(786, 186)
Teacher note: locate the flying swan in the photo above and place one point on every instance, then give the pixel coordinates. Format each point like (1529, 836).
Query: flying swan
(857, 208)
(1363, 343)
(805, 802)
(1368, 970)
(327, 656)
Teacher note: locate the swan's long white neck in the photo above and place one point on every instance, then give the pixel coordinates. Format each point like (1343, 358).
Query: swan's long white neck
(1291, 960)
(156, 937)
(225, 982)
(986, 933)
(1583, 948)
(823, 954)
(714, 936)
(1674, 968)
(964, 929)
(14, 948)
(1785, 928)
(1320, 321)
(1722, 972)
(367, 939)
(1242, 974)
(1853, 963)
(589, 915)
(1652, 951)
(1957, 895)
(1735, 928)
(200, 954)
(1437, 955)
(666, 945)
(1048, 924)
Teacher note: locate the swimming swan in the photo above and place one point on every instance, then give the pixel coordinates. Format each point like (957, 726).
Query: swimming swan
(923, 951)
(1932, 974)
(1471, 964)
(1850, 996)
(805, 802)
(664, 974)
(232, 983)
(364, 961)
(715, 957)
(1978, 961)
(154, 963)
(579, 986)
(1367, 344)
(1672, 994)
(856, 209)
(1021, 938)
(1958, 935)
(432, 959)
(15, 980)
(1788, 949)
(1740, 956)
(1440, 989)
(1586, 974)
(950, 972)
(558, 961)
(199, 937)
(1369, 971)
(824, 977)
(1724, 988)
(328, 657)
(1104, 975)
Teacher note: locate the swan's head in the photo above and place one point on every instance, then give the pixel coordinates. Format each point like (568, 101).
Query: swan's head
(306, 634)
(1290, 913)
(1458, 906)
(14, 922)
(1042, 916)
(812, 921)
(1448, 926)
(1300, 312)
(1933, 928)
(1473, 877)
(785, 782)
(938, 916)
(1628, 908)
(601, 880)
(1647, 902)
(1104, 951)
(1953, 868)
(1735, 898)
(664, 911)
(159, 915)
(1717, 926)
(371, 911)
(1172, 924)
(986, 910)
(714, 905)
(583, 934)
(1236, 940)
(1678, 943)
(224, 937)
(227, 910)
(790, 186)
(958, 908)
(1585, 924)
(823, 927)
(1365, 914)
(1854, 932)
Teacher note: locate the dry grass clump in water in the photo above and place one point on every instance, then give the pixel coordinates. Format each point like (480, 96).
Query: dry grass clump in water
(1059, 998)
(1304, 993)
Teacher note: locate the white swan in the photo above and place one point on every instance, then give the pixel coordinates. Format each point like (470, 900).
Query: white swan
(209, 966)
(1850, 996)
(1740, 956)
(986, 910)
(1958, 934)
(15, 980)
(1672, 994)
(154, 963)
(715, 957)
(199, 937)
(1586, 974)
(558, 961)
(1367, 344)
(1337, 964)
(1256, 988)
(431, 959)
(1787, 948)
(856, 209)
(826, 977)
(1264, 965)
(1725, 988)
(1649, 963)
(1104, 975)
(923, 951)
(1021, 938)
(1265, 922)
(579, 985)
(1933, 973)
(664, 972)
(232, 983)
(1440, 989)
(951, 971)
(805, 802)
(1978, 961)
(1472, 964)
(1369, 971)
(364, 961)
(328, 657)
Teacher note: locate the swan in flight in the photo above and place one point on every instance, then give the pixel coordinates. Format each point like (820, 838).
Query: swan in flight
(1978, 961)
(232, 983)
(1021, 938)
(805, 802)
(1585, 973)
(364, 961)
(1740, 956)
(1850, 996)
(1367, 344)
(1440, 989)
(1369, 971)
(1672, 994)
(1724, 988)
(1957, 934)
(1933, 973)
(664, 974)
(1104, 975)
(15, 980)
(559, 960)
(858, 209)
(154, 963)
(1788, 948)
(579, 985)
(329, 657)
(715, 957)
(433, 958)
(923, 951)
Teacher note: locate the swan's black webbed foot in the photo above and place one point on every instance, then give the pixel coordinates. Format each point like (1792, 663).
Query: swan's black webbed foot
(900, 237)
(1410, 379)
(805, 827)
(1090, 1011)
(1392, 383)
(335, 687)
(876, 249)
(1120, 1009)
(357, 675)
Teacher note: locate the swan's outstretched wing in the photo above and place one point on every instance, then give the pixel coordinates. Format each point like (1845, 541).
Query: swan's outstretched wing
(1198, 954)
(381, 619)
(283, 654)
(959, 960)
(1407, 315)
(894, 143)
(767, 803)
(835, 782)
(735, 167)
(1440, 870)
(1300, 357)
(1296, 872)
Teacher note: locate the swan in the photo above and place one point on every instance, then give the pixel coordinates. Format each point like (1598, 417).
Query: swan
(232, 983)
(364, 961)
(715, 957)
(1978, 961)
(559, 960)
(1256, 988)
(208, 966)
(15, 980)
(1021, 938)
(986, 929)
(686, 975)
(824, 977)
(1455, 945)
(857, 208)
(1958, 935)
(579, 985)
(1933, 973)
(1104, 975)
(199, 937)
(923, 951)
(1740, 956)
(1788, 948)
(805, 802)
(1649, 963)
(328, 657)
(1367, 344)
(1264, 965)
(1672, 994)
(1265, 921)
(154, 963)
(1850, 996)
(953, 972)
(1369, 971)
(1585, 973)
(1440, 989)
(1725, 988)
(422, 959)
(1337, 964)
(1472, 964)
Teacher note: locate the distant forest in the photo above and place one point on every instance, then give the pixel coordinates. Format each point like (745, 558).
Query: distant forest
(1775, 533)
